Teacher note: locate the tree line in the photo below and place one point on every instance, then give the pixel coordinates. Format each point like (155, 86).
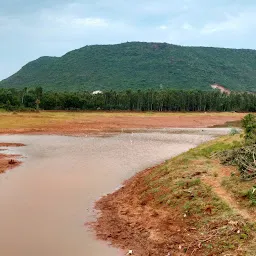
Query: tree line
(139, 100)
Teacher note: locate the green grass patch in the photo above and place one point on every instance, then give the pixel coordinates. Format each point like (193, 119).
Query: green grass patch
(178, 184)
(210, 148)
(242, 191)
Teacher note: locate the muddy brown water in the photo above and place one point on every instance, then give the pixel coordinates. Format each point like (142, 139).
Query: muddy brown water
(45, 202)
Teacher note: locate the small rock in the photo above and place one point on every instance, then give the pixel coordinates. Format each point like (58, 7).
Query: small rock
(12, 161)
(130, 252)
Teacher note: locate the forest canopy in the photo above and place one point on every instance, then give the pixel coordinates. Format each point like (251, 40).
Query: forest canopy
(139, 100)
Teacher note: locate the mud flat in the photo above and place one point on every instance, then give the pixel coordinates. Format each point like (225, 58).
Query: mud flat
(46, 201)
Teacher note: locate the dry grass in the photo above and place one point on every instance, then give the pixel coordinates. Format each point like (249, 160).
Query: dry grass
(46, 119)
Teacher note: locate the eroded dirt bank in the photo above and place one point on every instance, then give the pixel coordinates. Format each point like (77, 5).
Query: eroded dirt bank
(129, 222)
(173, 209)
(8, 161)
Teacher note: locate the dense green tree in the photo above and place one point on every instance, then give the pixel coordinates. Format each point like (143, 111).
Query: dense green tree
(139, 66)
(139, 100)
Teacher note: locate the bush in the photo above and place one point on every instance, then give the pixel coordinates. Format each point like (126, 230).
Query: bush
(244, 158)
(251, 194)
(233, 131)
(249, 125)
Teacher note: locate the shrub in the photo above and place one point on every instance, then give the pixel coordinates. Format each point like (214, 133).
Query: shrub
(233, 131)
(249, 125)
(251, 194)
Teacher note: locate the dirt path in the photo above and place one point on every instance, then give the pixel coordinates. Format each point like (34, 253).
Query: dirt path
(215, 182)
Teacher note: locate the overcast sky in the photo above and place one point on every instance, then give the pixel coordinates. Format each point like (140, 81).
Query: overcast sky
(33, 28)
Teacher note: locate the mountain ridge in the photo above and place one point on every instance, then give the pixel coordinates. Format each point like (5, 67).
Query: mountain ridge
(139, 65)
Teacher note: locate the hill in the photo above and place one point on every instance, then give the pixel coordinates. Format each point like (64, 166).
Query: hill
(138, 65)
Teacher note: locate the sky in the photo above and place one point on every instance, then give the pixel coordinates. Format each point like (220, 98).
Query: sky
(33, 28)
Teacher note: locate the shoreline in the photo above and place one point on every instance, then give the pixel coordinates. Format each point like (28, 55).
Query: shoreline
(126, 221)
(143, 152)
(131, 221)
(134, 217)
(213, 131)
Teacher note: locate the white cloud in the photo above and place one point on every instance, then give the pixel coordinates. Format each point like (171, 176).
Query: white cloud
(68, 19)
(228, 25)
(157, 7)
(187, 26)
(95, 22)
(163, 27)
(232, 23)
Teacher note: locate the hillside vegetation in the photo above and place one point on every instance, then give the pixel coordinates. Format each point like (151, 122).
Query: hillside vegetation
(139, 65)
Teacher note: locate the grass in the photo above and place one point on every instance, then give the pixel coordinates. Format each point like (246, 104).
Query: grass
(210, 148)
(19, 120)
(179, 183)
(10, 120)
(241, 190)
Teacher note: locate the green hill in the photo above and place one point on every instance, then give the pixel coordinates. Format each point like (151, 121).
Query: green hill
(138, 65)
